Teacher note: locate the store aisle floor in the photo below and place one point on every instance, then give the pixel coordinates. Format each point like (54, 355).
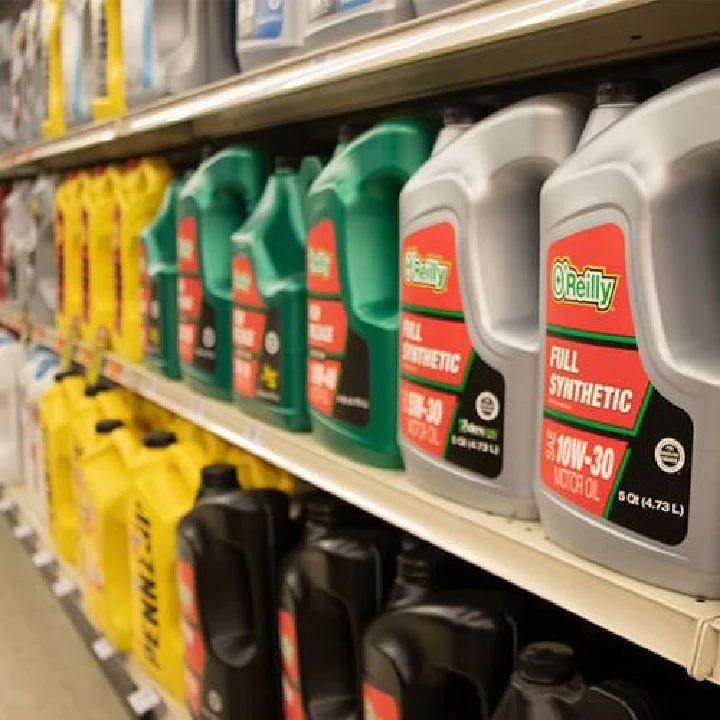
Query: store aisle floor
(46, 673)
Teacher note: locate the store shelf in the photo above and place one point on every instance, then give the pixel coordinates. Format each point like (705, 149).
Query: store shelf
(682, 629)
(482, 42)
(142, 699)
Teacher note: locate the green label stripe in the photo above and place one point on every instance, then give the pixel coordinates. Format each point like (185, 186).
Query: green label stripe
(325, 295)
(574, 333)
(324, 355)
(422, 310)
(418, 380)
(616, 484)
(251, 308)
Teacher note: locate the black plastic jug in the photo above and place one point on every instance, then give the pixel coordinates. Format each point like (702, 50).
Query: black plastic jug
(449, 656)
(420, 570)
(547, 686)
(331, 588)
(229, 548)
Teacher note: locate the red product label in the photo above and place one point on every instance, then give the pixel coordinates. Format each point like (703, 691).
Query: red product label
(187, 246)
(327, 325)
(248, 329)
(186, 341)
(434, 349)
(323, 375)
(245, 376)
(586, 294)
(189, 298)
(60, 259)
(605, 385)
(118, 287)
(193, 693)
(145, 300)
(292, 701)
(581, 466)
(289, 646)
(322, 265)
(425, 416)
(379, 705)
(85, 266)
(429, 269)
(142, 263)
(245, 290)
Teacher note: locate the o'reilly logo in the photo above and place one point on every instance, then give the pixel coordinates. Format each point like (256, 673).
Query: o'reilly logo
(426, 271)
(592, 286)
(319, 262)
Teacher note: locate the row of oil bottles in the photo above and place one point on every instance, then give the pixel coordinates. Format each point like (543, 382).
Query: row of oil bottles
(63, 62)
(250, 598)
(502, 305)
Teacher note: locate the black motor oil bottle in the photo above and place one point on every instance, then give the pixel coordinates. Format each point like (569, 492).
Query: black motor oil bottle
(229, 548)
(448, 656)
(331, 587)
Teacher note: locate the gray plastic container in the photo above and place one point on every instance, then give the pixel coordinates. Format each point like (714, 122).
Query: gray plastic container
(633, 219)
(332, 21)
(425, 7)
(7, 128)
(79, 79)
(36, 82)
(269, 31)
(19, 78)
(175, 45)
(469, 317)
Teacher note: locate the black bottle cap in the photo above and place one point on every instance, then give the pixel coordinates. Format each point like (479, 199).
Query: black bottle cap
(610, 92)
(59, 377)
(416, 564)
(220, 476)
(322, 510)
(283, 162)
(458, 115)
(105, 427)
(547, 663)
(159, 439)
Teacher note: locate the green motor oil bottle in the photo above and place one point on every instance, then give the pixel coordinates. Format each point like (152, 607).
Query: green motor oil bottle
(158, 287)
(270, 300)
(352, 270)
(214, 203)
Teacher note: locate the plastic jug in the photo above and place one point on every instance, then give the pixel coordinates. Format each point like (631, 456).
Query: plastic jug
(270, 300)
(166, 477)
(331, 21)
(628, 465)
(546, 686)
(229, 549)
(468, 279)
(425, 7)
(36, 261)
(18, 228)
(139, 196)
(352, 296)
(334, 579)
(159, 286)
(97, 219)
(107, 468)
(107, 54)
(257, 474)
(269, 31)
(213, 204)
(56, 410)
(7, 123)
(51, 69)
(79, 79)
(448, 656)
(174, 45)
(19, 78)
(11, 358)
(35, 91)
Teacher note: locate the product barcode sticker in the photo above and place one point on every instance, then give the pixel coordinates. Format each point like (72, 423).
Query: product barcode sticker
(23, 532)
(143, 700)
(63, 587)
(7, 505)
(103, 648)
(43, 559)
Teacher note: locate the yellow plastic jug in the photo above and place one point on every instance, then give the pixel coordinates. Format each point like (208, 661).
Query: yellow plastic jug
(109, 99)
(53, 124)
(107, 467)
(56, 411)
(254, 473)
(166, 478)
(68, 231)
(98, 207)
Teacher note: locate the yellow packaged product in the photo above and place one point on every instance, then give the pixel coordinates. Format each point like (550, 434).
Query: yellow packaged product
(109, 100)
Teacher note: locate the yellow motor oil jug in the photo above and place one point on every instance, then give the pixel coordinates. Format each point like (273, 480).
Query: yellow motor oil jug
(96, 218)
(104, 564)
(257, 474)
(56, 411)
(67, 229)
(166, 478)
(152, 416)
(107, 45)
(52, 120)
(139, 197)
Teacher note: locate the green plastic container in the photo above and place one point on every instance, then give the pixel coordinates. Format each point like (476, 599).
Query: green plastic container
(158, 287)
(352, 266)
(270, 301)
(216, 201)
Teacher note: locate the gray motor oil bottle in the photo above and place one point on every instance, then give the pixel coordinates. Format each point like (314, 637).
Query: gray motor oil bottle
(628, 455)
(332, 21)
(7, 129)
(269, 31)
(469, 305)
